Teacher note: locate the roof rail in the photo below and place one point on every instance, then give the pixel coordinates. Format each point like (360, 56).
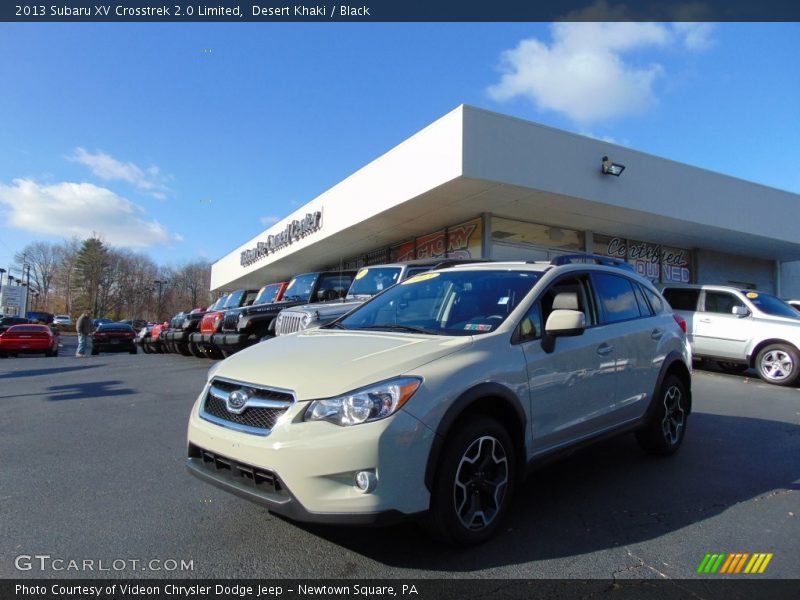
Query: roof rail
(452, 262)
(592, 259)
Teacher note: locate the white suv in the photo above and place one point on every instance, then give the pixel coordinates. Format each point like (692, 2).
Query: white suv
(433, 397)
(740, 329)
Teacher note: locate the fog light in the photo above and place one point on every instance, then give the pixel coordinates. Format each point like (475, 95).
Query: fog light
(366, 481)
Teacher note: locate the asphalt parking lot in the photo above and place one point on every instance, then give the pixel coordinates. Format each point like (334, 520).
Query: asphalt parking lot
(93, 469)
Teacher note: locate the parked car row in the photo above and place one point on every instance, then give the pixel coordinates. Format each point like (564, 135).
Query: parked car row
(246, 316)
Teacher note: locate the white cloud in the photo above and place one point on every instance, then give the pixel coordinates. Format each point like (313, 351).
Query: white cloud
(107, 167)
(269, 220)
(80, 209)
(584, 74)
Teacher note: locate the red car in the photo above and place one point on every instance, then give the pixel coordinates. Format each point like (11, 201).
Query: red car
(28, 338)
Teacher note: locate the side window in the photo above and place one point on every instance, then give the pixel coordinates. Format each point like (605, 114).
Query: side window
(656, 302)
(530, 328)
(682, 299)
(721, 302)
(570, 293)
(248, 299)
(645, 309)
(332, 287)
(616, 297)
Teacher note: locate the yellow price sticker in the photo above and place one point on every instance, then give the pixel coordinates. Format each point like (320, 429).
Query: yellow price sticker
(752, 295)
(420, 277)
(362, 273)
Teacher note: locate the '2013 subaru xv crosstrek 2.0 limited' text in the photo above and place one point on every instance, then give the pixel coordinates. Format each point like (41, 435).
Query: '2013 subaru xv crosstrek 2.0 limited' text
(433, 397)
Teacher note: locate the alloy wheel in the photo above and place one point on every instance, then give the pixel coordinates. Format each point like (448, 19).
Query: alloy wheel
(480, 482)
(777, 365)
(674, 416)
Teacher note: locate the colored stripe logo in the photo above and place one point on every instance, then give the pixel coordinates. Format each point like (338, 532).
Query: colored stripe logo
(738, 562)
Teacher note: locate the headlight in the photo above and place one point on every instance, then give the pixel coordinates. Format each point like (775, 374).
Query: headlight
(306, 320)
(364, 405)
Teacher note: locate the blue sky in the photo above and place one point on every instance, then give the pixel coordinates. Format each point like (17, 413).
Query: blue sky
(184, 140)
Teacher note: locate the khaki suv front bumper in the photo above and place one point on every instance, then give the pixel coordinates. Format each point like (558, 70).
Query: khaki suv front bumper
(306, 470)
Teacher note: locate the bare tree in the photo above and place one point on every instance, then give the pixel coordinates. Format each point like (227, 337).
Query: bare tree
(42, 259)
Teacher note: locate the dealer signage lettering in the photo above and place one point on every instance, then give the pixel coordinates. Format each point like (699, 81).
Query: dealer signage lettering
(652, 260)
(293, 232)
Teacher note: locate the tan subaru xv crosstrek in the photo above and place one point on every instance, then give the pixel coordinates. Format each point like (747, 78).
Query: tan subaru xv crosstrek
(433, 397)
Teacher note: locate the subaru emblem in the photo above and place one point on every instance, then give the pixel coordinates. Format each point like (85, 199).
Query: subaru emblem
(237, 401)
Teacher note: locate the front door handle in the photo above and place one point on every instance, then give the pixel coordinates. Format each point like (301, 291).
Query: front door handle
(605, 349)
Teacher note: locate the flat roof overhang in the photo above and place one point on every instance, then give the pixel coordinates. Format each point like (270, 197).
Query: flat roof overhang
(473, 161)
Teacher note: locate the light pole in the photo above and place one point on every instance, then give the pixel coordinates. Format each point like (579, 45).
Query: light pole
(160, 283)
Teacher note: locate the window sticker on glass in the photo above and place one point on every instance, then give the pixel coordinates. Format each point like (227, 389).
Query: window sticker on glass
(752, 295)
(477, 327)
(503, 300)
(421, 277)
(362, 273)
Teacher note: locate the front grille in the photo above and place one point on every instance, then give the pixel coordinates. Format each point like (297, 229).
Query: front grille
(261, 479)
(289, 322)
(263, 409)
(230, 321)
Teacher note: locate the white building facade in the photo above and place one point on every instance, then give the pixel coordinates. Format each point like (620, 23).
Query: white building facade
(484, 185)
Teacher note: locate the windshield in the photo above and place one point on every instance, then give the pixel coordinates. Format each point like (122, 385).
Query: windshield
(299, 288)
(445, 303)
(234, 299)
(267, 294)
(371, 280)
(771, 305)
(218, 302)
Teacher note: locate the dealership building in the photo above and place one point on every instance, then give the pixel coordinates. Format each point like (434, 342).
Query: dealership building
(478, 184)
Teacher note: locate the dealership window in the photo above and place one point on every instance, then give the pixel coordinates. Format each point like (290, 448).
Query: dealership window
(522, 233)
(657, 263)
(458, 241)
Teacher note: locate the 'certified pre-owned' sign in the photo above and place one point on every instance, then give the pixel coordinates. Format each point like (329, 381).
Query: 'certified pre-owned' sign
(294, 231)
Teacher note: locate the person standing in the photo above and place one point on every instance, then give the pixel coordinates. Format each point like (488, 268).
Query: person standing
(84, 329)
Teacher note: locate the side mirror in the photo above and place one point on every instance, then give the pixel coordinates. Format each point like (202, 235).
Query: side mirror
(740, 311)
(562, 323)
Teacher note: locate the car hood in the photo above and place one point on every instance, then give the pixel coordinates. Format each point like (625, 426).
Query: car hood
(326, 309)
(326, 363)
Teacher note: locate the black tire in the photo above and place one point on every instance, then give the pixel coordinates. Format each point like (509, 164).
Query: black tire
(474, 483)
(732, 367)
(146, 349)
(196, 350)
(664, 432)
(778, 364)
(226, 353)
(183, 349)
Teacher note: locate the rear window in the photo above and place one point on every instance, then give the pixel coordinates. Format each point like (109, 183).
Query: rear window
(29, 329)
(682, 299)
(115, 327)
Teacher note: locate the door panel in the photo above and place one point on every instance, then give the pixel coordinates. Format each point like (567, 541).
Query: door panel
(718, 332)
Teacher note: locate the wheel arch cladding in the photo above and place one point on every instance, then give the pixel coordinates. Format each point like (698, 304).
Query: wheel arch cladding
(673, 365)
(490, 399)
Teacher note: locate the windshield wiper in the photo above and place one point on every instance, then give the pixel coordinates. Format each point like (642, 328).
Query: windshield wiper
(396, 327)
(334, 325)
